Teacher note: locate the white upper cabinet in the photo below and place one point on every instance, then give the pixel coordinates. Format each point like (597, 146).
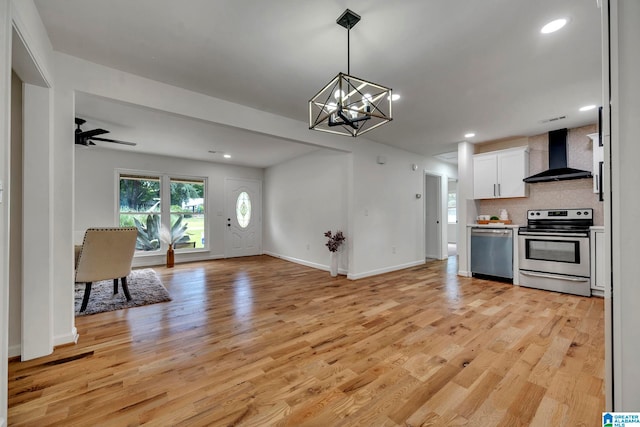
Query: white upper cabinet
(500, 174)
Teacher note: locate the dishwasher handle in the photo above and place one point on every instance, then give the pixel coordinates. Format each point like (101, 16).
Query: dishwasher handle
(490, 231)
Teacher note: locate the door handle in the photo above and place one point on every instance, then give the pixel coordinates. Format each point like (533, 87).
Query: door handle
(494, 190)
(498, 189)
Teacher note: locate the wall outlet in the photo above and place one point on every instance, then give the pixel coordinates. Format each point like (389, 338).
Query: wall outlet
(308, 246)
(393, 249)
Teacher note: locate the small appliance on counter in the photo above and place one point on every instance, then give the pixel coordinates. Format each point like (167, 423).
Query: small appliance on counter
(554, 250)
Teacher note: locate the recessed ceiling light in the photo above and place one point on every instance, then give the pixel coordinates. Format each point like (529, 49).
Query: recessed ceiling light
(587, 107)
(469, 135)
(227, 156)
(394, 97)
(553, 26)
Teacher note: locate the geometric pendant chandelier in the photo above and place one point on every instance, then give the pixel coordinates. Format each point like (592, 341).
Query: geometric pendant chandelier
(349, 105)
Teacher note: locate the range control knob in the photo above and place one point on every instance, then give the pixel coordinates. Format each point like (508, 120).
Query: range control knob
(579, 213)
(586, 213)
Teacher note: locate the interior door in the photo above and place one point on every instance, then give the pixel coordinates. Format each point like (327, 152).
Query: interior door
(433, 223)
(243, 210)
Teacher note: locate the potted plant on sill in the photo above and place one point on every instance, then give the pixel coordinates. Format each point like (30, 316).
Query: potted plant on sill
(334, 243)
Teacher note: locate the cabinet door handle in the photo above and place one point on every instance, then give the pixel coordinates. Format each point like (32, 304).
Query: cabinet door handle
(601, 191)
(494, 190)
(499, 192)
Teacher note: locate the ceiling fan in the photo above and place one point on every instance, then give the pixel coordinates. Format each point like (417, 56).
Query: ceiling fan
(86, 138)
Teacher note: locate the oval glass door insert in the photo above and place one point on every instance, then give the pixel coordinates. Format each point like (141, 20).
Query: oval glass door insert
(243, 209)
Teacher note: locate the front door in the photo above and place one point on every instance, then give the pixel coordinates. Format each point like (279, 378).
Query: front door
(243, 210)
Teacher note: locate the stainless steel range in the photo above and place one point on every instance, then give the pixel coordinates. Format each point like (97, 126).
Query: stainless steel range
(554, 250)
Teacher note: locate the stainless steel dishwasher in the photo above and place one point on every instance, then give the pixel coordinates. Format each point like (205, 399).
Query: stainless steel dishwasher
(492, 252)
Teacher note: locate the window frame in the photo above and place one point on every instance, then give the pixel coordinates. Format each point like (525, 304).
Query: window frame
(165, 205)
(455, 193)
(173, 177)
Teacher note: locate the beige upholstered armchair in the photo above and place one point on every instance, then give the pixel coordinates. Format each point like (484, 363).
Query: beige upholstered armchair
(106, 253)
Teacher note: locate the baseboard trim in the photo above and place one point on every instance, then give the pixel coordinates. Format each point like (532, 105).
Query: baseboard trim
(70, 338)
(385, 270)
(304, 262)
(14, 350)
(464, 273)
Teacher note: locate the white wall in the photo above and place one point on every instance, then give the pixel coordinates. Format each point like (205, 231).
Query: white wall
(303, 198)
(22, 16)
(96, 192)
(15, 257)
(385, 211)
(467, 206)
(625, 203)
(5, 168)
(375, 203)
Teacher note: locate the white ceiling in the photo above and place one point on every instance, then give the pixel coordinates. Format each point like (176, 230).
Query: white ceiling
(460, 66)
(171, 135)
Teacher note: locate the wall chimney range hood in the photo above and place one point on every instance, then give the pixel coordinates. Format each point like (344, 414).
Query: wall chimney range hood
(558, 170)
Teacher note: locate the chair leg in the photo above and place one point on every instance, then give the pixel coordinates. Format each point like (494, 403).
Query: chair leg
(85, 299)
(125, 288)
(115, 286)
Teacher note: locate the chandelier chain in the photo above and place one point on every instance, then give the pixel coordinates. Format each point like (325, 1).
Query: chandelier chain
(348, 51)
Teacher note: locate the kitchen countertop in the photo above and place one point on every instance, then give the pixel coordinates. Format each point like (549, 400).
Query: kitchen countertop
(597, 227)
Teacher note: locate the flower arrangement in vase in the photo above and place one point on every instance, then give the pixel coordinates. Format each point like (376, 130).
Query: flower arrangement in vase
(334, 243)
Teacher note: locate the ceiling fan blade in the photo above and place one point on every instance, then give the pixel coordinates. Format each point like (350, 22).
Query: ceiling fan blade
(91, 133)
(133, 144)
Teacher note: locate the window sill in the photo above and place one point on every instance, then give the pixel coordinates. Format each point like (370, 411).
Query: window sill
(191, 251)
(163, 253)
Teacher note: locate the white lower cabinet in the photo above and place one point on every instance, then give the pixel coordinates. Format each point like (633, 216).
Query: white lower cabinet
(598, 277)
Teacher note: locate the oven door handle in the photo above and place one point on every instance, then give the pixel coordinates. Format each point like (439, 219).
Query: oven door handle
(553, 276)
(551, 235)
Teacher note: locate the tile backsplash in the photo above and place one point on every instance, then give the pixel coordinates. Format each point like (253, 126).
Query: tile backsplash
(554, 195)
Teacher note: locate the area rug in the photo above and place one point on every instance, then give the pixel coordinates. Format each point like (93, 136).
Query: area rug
(144, 285)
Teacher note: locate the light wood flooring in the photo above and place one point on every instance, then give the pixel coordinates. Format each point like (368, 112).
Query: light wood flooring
(259, 341)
